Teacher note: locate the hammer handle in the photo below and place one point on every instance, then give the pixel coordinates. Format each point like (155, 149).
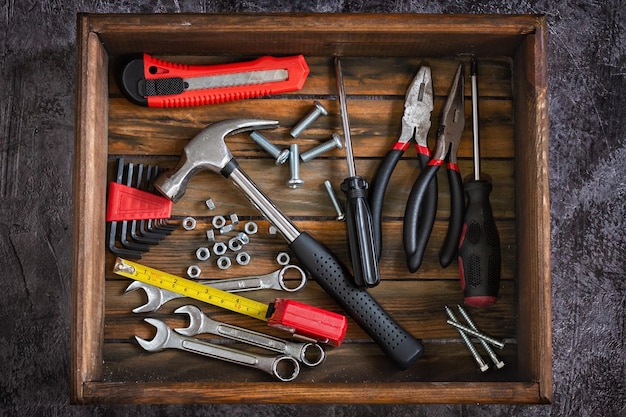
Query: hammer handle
(397, 343)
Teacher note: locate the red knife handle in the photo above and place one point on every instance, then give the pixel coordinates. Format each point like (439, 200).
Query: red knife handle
(148, 68)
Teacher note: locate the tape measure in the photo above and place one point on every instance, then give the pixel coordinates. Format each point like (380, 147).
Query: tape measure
(298, 318)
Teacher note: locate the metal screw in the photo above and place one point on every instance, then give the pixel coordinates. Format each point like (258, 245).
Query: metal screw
(499, 364)
(281, 155)
(294, 167)
(334, 200)
(479, 360)
(474, 333)
(316, 112)
(335, 142)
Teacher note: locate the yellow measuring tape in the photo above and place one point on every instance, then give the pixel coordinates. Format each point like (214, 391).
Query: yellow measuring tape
(191, 289)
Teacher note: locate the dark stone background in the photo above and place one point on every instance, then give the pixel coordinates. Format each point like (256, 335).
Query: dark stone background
(587, 81)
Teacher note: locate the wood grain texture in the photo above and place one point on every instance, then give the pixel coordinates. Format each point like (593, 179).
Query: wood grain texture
(155, 137)
(585, 49)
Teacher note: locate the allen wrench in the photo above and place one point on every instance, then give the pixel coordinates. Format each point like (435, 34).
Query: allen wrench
(112, 226)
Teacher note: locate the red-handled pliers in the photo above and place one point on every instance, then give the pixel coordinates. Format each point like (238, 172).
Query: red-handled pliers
(416, 230)
(418, 106)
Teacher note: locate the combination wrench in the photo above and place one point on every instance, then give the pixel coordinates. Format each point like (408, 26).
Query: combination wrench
(275, 281)
(310, 354)
(282, 367)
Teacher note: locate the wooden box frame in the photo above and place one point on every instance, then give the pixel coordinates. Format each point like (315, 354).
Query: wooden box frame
(521, 38)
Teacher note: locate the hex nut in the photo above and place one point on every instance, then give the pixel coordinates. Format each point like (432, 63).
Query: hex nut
(251, 228)
(234, 219)
(210, 204)
(193, 271)
(283, 258)
(203, 253)
(189, 223)
(223, 262)
(218, 222)
(227, 229)
(234, 244)
(243, 258)
(243, 238)
(273, 230)
(219, 248)
(210, 235)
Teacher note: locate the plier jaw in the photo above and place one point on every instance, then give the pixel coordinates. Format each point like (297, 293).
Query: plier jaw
(452, 123)
(418, 106)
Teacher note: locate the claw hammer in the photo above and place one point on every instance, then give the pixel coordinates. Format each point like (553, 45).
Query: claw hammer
(208, 151)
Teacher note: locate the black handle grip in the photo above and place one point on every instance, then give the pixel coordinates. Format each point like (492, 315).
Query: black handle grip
(455, 223)
(360, 233)
(419, 217)
(398, 344)
(479, 248)
(376, 194)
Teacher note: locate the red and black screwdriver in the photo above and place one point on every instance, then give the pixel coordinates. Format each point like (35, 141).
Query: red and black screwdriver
(479, 246)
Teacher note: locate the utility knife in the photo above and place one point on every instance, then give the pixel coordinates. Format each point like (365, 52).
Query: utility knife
(152, 82)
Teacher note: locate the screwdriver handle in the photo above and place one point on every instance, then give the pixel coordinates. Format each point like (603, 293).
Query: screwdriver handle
(479, 248)
(360, 233)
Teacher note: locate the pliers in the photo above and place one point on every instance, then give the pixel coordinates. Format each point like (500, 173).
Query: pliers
(418, 106)
(421, 208)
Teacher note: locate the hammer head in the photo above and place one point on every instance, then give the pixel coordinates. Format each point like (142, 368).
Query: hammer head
(206, 151)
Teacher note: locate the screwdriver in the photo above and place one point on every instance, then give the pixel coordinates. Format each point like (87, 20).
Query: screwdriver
(479, 246)
(358, 216)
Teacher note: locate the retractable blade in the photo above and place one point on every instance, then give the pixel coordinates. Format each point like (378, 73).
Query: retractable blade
(152, 82)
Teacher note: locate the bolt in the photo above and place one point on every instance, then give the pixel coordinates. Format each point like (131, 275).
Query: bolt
(499, 364)
(316, 112)
(479, 360)
(335, 142)
(294, 167)
(281, 155)
(334, 200)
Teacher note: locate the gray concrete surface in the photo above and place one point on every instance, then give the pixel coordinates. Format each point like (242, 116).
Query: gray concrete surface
(587, 77)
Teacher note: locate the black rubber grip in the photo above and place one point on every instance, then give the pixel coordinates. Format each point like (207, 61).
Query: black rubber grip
(479, 250)
(450, 245)
(376, 195)
(360, 233)
(398, 344)
(419, 218)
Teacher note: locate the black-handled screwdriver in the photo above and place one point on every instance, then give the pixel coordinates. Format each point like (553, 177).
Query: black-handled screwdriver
(358, 215)
(479, 246)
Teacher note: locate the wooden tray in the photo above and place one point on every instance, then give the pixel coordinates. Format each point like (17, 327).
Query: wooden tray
(381, 55)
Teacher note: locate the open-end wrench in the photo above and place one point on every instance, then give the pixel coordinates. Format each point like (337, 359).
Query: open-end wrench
(310, 354)
(208, 151)
(282, 367)
(274, 281)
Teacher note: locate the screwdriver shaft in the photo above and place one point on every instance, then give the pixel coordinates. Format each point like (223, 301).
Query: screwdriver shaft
(358, 215)
(474, 73)
(345, 122)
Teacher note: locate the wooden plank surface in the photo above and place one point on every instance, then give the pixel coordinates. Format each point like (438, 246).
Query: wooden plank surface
(376, 88)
